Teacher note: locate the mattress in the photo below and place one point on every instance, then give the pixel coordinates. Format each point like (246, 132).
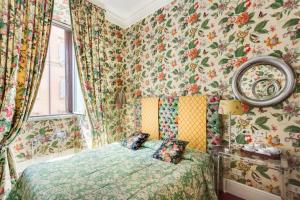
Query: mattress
(115, 172)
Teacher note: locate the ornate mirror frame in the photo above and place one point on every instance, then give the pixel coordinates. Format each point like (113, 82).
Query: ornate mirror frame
(281, 94)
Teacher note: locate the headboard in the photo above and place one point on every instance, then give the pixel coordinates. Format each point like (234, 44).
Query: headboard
(192, 121)
(186, 119)
(150, 117)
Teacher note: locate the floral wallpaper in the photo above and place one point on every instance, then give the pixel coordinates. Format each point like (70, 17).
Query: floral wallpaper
(193, 47)
(44, 137)
(61, 11)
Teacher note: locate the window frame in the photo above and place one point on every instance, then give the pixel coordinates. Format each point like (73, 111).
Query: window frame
(69, 74)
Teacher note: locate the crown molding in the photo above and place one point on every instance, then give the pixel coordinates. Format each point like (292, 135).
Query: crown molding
(98, 3)
(110, 16)
(126, 22)
(116, 19)
(146, 11)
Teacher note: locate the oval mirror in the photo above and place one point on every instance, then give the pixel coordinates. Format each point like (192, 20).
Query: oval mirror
(263, 81)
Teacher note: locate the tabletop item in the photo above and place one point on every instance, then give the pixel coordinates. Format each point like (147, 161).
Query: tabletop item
(249, 147)
(259, 146)
(273, 150)
(261, 151)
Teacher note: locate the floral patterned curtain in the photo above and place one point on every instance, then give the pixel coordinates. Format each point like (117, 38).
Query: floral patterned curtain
(88, 22)
(24, 33)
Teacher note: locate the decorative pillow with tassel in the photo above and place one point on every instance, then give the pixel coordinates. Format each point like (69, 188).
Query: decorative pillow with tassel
(135, 141)
(171, 151)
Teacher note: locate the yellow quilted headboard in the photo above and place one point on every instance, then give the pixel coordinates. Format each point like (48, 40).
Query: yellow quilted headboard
(150, 117)
(192, 121)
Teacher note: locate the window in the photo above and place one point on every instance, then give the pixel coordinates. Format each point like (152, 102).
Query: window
(59, 91)
(78, 103)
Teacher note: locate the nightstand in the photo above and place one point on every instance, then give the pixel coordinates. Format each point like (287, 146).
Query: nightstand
(293, 185)
(280, 165)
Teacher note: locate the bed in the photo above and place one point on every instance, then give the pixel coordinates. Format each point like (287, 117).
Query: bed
(115, 172)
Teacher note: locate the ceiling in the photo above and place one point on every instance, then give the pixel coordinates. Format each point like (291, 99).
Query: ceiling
(127, 12)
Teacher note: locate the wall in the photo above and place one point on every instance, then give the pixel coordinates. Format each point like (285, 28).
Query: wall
(43, 131)
(193, 47)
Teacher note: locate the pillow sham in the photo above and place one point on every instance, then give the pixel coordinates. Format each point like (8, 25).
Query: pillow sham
(152, 144)
(135, 141)
(171, 151)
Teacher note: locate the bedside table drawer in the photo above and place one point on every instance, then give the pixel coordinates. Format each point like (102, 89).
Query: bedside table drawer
(294, 188)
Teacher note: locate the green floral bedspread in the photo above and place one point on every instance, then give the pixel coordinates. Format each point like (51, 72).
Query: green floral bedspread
(115, 172)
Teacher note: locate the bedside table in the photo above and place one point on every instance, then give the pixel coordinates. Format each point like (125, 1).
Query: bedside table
(279, 165)
(293, 185)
